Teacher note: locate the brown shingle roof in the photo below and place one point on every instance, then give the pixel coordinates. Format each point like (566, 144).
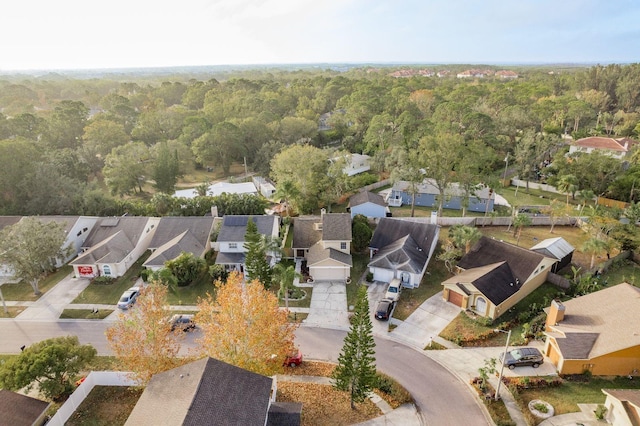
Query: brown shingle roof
(613, 313)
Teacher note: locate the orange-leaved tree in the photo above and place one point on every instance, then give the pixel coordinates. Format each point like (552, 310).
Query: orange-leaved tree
(244, 326)
(142, 339)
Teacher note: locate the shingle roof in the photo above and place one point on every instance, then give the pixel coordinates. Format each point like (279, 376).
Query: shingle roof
(317, 253)
(336, 227)
(67, 222)
(495, 281)
(487, 251)
(112, 250)
(612, 313)
(428, 186)
(304, 233)
(284, 414)
(632, 396)
(390, 230)
(234, 227)
(131, 226)
(577, 345)
(403, 255)
(8, 221)
(20, 410)
(170, 227)
(202, 392)
(366, 197)
(183, 243)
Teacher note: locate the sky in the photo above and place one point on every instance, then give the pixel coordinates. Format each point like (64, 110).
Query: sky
(82, 34)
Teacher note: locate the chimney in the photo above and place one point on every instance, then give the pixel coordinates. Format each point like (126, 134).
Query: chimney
(323, 211)
(555, 315)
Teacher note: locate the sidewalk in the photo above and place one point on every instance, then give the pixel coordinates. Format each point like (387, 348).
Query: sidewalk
(51, 304)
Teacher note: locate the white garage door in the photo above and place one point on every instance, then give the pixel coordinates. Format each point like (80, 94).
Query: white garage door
(384, 275)
(327, 274)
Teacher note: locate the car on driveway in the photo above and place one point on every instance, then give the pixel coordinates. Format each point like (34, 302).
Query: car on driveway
(394, 290)
(522, 357)
(183, 322)
(384, 309)
(128, 298)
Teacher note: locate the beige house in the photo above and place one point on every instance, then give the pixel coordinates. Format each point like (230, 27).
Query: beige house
(599, 333)
(623, 407)
(494, 276)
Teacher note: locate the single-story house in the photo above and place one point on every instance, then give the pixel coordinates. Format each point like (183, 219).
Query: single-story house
(494, 275)
(76, 228)
(614, 147)
(368, 204)
(324, 242)
(598, 333)
(556, 248)
(220, 188)
(211, 392)
(230, 241)
(427, 194)
(177, 235)
(623, 407)
(402, 249)
(113, 245)
(17, 409)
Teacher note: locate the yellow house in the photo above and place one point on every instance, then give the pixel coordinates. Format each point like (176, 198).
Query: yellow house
(598, 333)
(494, 276)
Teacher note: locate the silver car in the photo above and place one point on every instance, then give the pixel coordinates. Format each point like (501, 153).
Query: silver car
(128, 298)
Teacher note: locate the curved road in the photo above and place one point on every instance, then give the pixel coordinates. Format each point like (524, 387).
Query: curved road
(440, 396)
(442, 399)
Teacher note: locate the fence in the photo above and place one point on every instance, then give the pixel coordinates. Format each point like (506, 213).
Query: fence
(376, 185)
(611, 203)
(535, 185)
(558, 280)
(95, 378)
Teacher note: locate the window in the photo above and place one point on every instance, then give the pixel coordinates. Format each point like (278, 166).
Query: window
(343, 246)
(233, 245)
(106, 270)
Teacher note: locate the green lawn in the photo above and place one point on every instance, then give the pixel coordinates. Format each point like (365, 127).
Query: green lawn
(358, 271)
(190, 294)
(627, 271)
(110, 294)
(22, 291)
(85, 314)
(565, 398)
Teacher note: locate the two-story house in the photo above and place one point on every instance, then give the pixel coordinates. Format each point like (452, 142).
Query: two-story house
(324, 242)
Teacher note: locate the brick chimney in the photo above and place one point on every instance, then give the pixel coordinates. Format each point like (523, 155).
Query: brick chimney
(555, 315)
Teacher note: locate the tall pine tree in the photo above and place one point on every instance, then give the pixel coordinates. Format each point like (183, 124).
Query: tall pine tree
(255, 261)
(356, 370)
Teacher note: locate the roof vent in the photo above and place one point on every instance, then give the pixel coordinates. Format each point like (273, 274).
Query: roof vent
(317, 226)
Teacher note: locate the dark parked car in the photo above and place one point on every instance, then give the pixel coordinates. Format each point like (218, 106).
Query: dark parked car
(384, 309)
(523, 356)
(183, 322)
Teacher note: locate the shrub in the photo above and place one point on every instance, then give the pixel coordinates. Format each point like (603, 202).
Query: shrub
(103, 280)
(600, 412)
(395, 392)
(218, 272)
(541, 407)
(369, 277)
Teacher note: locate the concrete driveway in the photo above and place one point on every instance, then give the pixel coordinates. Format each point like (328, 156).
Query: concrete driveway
(328, 305)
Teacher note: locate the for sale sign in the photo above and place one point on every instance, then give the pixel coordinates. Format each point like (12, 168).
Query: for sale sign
(85, 271)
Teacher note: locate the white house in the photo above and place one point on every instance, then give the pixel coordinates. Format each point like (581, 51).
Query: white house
(76, 228)
(113, 245)
(265, 187)
(617, 148)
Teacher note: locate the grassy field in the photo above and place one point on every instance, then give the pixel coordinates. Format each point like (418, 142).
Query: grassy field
(106, 405)
(22, 291)
(190, 294)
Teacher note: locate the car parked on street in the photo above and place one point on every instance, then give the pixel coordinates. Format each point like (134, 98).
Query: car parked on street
(522, 357)
(384, 309)
(128, 298)
(293, 360)
(183, 322)
(394, 290)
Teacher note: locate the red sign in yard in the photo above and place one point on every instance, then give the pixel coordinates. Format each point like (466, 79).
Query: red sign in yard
(85, 270)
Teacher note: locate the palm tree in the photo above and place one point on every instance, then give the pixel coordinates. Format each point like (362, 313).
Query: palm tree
(519, 222)
(285, 276)
(568, 184)
(287, 191)
(594, 246)
(585, 195)
(465, 236)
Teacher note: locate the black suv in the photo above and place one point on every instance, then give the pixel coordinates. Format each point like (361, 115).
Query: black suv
(384, 309)
(523, 356)
(183, 322)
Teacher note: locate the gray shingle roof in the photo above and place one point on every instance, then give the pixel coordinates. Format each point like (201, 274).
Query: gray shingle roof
(67, 222)
(390, 230)
(317, 253)
(112, 250)
(304, 233)
(495, 281)
(366, 197)
(170, 227)
(284, 414)
(336, 227)
(20, 410)
(403, 255)
(577, 345)
(183, 243)
(234, 227)
(8, 221)
(204, 392)
(488, 251)
(131, 226)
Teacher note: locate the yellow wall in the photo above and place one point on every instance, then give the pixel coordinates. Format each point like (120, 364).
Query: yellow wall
(524, 291)
(619, 363)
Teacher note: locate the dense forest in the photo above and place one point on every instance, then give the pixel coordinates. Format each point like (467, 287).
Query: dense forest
(74, 144)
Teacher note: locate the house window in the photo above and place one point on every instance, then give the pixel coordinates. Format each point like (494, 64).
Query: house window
(481, 306)
(343, 246)
(233, 245)
(106, 270)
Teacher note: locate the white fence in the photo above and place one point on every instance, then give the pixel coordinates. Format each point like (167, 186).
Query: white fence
(534, 185)
(95, 378)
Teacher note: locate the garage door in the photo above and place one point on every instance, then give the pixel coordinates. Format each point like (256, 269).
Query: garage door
(327, 274)
(455, 298)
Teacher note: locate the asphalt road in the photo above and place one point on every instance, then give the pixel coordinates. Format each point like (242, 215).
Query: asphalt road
(441, 398)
